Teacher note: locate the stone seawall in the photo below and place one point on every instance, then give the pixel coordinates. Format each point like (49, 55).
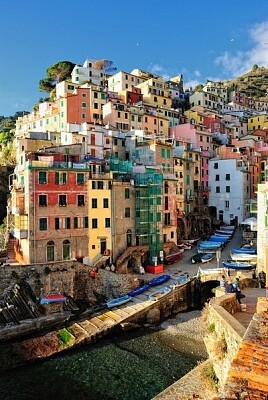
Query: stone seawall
(137, 313)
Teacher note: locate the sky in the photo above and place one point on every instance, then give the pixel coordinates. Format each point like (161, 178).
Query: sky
(201, 40)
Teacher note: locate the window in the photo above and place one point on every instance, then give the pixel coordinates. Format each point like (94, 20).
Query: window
(42, 200)
(163, 153)
(216, 165)
(62, 200)
(50, 251)
(66, 250)
(227, 204)
(84, 105)
(57, 223)
(228, 177)
(60, 178)
(228, 189)
(107, 223)
(218, 190)
(127, 194)
(127, 212)
(105, 203)
(168, 153)
(80, 200)
(42, 177)
(100, 184)
(67, 223)
(80, 222)
(43, 224)
(94, 223)
(94, 203)
(217, 177)
(80, 178)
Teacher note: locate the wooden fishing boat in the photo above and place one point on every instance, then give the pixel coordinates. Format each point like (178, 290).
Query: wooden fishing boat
(208, 244)
(174, 257)
(118, 301)
(139, 290)
(202, 258)
(244, 250)
(159, 293)
(215, 238)
(159, 280)
(230, 264)
(223, 233)
(180, 280)
(191, 241)
(227, 228)
(52, 298)
(243, 257)
(207, 250)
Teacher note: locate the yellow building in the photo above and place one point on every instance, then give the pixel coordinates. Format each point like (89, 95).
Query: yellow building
(257, 122)
(100, 217)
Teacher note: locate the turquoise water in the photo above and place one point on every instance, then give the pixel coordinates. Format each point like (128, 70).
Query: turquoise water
(130, 366)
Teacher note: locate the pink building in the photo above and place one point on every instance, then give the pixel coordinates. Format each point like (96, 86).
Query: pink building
(195, 137)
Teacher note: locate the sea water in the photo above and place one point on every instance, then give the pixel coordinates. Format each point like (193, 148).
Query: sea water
(129, 366)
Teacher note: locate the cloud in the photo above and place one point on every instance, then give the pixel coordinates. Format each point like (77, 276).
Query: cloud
(242, 61)
(191, 84)
(159, 70)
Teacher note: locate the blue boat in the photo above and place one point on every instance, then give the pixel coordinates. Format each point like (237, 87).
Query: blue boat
(223, 233)
(159, 293)
(118, 301)
(230, 264)
(209, 244)
(139, 290)
(244, 250)
(159, 280)
(218, 239)
(180, 280)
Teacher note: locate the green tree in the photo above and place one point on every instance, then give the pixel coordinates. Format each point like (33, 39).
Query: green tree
(56, 73)
(255, 68)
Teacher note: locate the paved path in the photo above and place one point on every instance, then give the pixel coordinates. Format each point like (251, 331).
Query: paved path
(185, 263)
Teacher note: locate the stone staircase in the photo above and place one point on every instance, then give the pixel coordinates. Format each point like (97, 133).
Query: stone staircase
(11, 257)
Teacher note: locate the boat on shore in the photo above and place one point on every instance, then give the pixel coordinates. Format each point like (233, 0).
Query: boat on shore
(174, 257)
(223, 239)
(244, 250)
(118, 301)
(139, 290)
(230, 264)
(52, 298)
(209, 244)
(159, 280)
(159, 293)
(244, 257)
(180, 280)
(202, 257)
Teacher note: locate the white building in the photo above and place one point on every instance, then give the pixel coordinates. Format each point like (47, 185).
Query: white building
(229, 181)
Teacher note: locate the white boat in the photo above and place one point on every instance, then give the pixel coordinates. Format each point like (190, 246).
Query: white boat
(244, 257)
(159, 293)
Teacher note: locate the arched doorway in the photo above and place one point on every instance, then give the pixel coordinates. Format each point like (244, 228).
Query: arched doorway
(66, 250)
(50, 251)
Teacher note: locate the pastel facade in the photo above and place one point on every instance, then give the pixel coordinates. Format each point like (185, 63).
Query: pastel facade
(230, 189)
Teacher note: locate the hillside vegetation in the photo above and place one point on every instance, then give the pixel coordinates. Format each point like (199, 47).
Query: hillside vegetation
(254, 83)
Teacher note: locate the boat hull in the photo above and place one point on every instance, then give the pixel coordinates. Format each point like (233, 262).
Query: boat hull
(244, 257)
(243, 250)
(159, 280)
(118, 301)
(238, 266)
(159, 293)
(139, 290)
